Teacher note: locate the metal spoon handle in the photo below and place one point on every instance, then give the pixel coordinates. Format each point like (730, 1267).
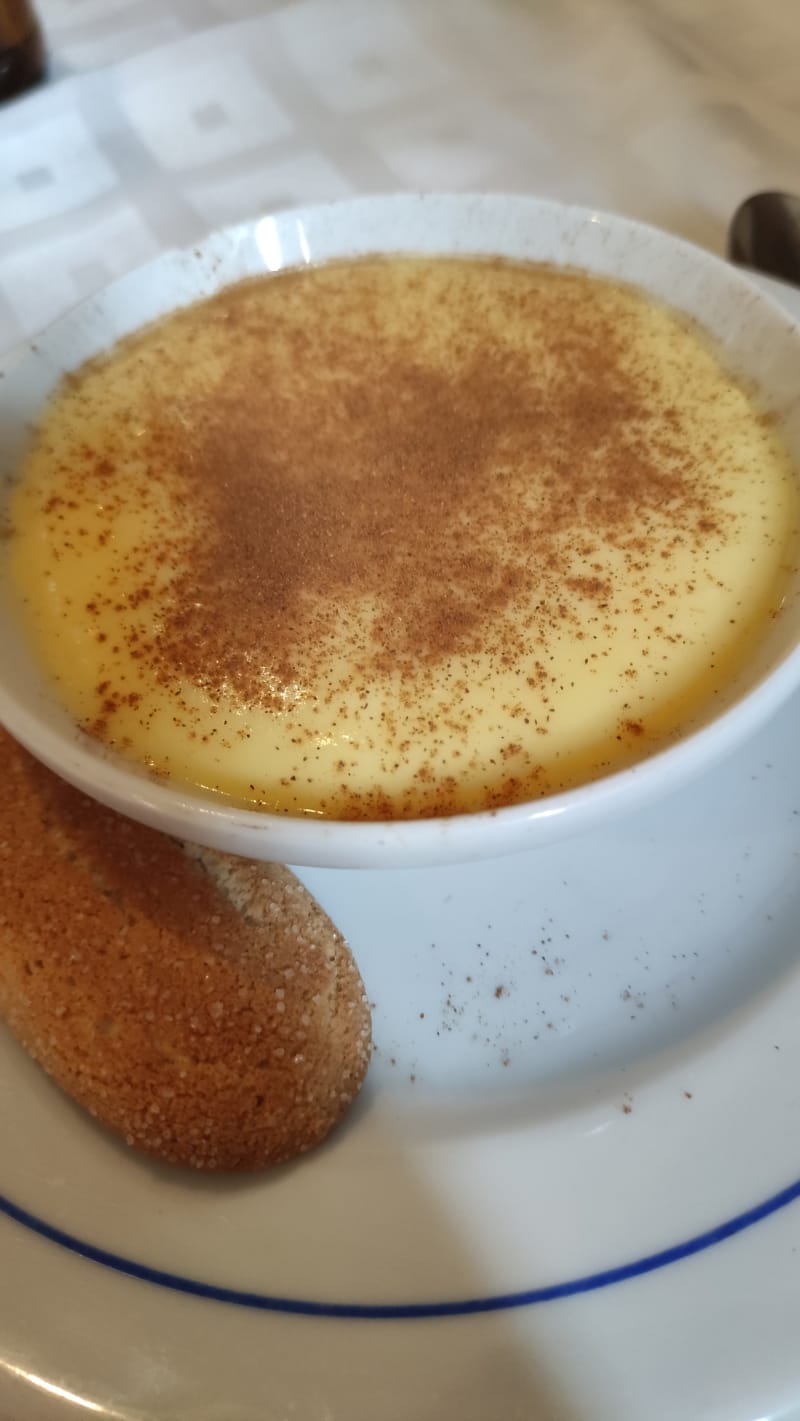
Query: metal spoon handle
(764, 234)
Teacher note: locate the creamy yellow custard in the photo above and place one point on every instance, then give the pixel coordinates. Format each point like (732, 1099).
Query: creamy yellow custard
(401, 537)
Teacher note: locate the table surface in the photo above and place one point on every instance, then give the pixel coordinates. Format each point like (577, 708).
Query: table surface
(162, 121)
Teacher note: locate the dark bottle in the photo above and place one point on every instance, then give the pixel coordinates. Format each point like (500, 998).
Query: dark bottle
(21, 48)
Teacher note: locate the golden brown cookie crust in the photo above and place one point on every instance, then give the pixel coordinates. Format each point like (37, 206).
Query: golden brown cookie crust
(202, 1006)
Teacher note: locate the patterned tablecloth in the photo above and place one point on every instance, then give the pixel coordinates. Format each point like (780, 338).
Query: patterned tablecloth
(161, 121)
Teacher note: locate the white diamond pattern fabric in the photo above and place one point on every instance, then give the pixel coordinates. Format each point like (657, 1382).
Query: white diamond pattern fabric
(160, 122)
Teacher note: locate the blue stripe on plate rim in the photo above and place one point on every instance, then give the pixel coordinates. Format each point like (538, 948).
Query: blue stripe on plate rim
(267, 1302)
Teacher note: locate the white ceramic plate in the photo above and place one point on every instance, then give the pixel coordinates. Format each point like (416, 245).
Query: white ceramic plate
(571, 1189)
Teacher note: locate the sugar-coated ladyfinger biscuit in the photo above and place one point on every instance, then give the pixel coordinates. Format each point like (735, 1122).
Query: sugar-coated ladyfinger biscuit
(202, 1006)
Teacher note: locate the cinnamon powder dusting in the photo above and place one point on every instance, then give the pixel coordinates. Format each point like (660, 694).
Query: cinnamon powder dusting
(369, 476)
(410, 475)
